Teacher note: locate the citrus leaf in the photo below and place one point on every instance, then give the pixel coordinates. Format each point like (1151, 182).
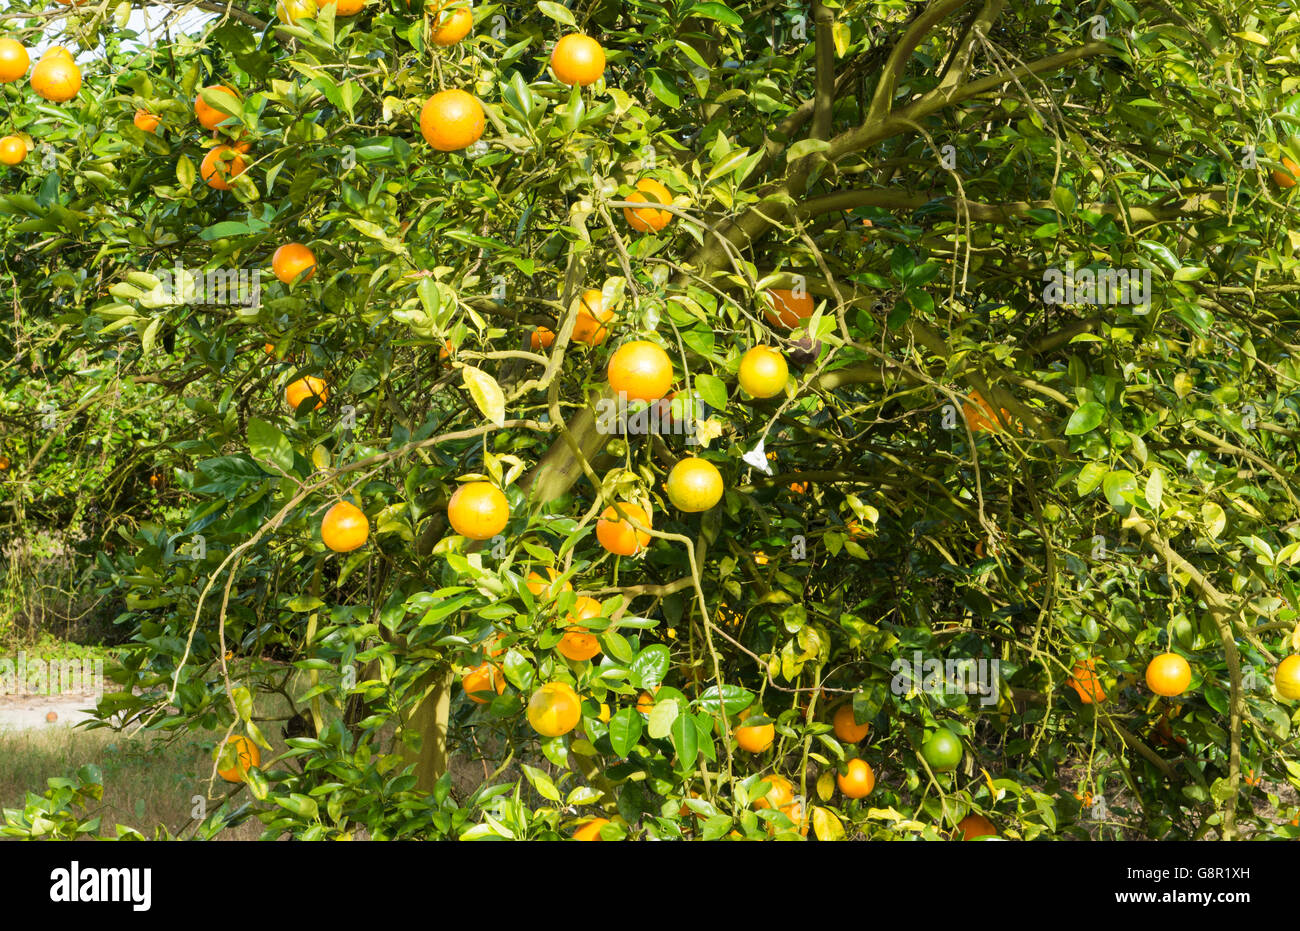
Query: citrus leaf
(268, 443)
(556, 12)
(1086, 418)
(624, 730)
(826, 825)
(1215, 519)
(487, 394)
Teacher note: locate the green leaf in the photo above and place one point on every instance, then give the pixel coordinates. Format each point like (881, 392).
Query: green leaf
(1215, 519)
(661, 85)
(712, 391)
(541, 782)
(624, 730)
(716, 11)
(733, 697)
(805, 147)
(1085, 419)
(1155, 489)
(1119, 487)
(243, 702)
(1090, 477)
(662, 716)
(556, 12)
(1064, 201)
(487, 394)
(650, 667)
(685, 739)
(185, 173)
(267, 443)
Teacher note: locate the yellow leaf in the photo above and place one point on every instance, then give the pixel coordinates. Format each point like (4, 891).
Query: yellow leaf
(842, 36)
(1295, 637)
(1215, 519)
(826, 781)
(1252, 37)
(487, 394)
(1182, 385)
(826, 825)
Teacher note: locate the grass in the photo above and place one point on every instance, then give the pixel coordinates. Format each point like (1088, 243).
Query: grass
(148, 780)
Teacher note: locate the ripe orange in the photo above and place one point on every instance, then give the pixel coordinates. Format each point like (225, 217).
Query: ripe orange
(590, 830)
(305, 387)
(483, 678)
(846, 725)
(647, 219)
(1169, 675)
(290, 11)
(779, 795)
(554, 709)
(590, 324)
(12, 150)
(788, 309)
(1083, 679)
(209, 116)
(641, 371)
(4, 463)
(145, 121)
(56, 78)
(450, 26)
(1287, 678)
(577, 643)
(794, 811)
(763, 372)
(980, 415)
(645, 702)
(618, 535)
(217, 169)
(243, 757)
(452, 120)
(756, 737)
(499, 643)
(345, 7)
(857, 780)
(344, 527)
(56, 51)
(578, 59)
(478, 510)
(1286, 179)
(973, 826)
(14, 60)
(541, 338)
(541, 588)
(694, 485)
(291, 260)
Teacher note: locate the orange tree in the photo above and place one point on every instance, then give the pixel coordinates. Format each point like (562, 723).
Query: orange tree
(856, 288)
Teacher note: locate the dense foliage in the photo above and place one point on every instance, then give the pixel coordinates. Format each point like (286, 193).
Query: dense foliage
(957, 470)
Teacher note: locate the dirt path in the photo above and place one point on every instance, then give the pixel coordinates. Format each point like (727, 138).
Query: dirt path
(23, 712)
